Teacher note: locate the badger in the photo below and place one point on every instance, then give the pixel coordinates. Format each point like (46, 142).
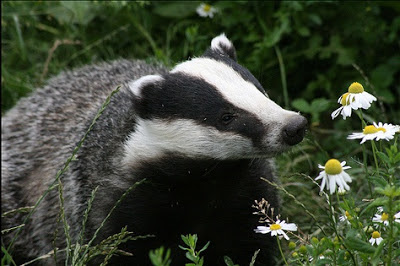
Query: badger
(201, 136)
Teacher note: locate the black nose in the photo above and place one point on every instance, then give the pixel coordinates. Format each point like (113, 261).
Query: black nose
(295, 130)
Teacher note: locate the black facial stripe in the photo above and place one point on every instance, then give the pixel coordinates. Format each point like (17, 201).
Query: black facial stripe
(243, 72)
(183, 96)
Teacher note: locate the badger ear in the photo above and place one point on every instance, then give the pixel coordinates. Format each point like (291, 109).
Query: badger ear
(137, 86)
(223, 45)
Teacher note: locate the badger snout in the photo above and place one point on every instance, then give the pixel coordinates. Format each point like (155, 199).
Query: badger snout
(294, 130)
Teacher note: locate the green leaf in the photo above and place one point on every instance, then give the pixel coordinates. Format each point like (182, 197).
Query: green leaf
(228, 261)
(340, 257)
(315, 18)
(193, 241)
(186, 240)
(205, 247)
(396, 158)
(191, 257)
(324, 262)
(201, 262)
(183, 248)
(274, 36)
(303, 31)
(383, 75)
(389, 191)
(383, 157)
(176, 9)
(359, 245)
(302, 105)
(320, 105)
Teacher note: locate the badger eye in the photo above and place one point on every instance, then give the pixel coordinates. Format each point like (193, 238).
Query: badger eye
(227, 118)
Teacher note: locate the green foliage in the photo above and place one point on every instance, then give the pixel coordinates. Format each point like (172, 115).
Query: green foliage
(158, 258)
(315, 108)
(305, 53)
(191, 253)
(228, 261)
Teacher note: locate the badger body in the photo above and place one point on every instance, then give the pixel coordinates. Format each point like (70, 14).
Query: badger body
(202, 135)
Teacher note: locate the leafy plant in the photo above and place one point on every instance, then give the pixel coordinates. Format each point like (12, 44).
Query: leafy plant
(191, 253)
(159, 258)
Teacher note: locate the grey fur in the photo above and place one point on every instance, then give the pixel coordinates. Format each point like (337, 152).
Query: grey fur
(40, 133)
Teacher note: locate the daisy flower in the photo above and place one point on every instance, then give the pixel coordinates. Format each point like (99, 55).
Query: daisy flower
(397, 217)
(277, 229)
(355, 98)
(333, 175)
(381, 218)
(345, 217)
(206, 10)
(375, 238)
(345, 109)
(376, 131)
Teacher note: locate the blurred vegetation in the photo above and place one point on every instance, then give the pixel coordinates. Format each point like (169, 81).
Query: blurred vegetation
(312, 50)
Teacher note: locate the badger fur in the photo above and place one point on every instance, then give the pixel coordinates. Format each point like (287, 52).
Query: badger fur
(201, 135)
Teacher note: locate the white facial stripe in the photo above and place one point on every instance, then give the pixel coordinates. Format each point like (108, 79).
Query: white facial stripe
(234, 88)
(152, 138)
(137, 85)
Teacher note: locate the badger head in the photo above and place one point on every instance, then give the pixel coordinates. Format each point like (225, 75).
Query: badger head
(209, 107)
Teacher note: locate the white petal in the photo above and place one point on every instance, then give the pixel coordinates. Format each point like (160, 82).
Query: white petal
(262, 229)
(332, 184)
(355, 135)
(290, 227)
(377, 219)
(346, 177)
(339, 181)
(285, 236)
(321, 175)
(340, 99)
(336, 112)
(346, 186)
(323, 184)
(346, 111)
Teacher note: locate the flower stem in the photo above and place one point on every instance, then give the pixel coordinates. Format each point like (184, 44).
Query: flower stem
(334, 226)
(280, 249)
(366, 169)
(360, 115)
(390, 242)
(363, 124)
(374, 150)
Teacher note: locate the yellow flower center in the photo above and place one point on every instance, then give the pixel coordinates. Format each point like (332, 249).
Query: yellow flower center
(376, 234)
(333, 167)
(356, 87)
(275, 227)
(344, 100)
(347, 215)
(385, 216)
(206, 7)
(371, 129)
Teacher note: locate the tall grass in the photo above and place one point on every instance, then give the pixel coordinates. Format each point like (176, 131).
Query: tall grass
(300, 51)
